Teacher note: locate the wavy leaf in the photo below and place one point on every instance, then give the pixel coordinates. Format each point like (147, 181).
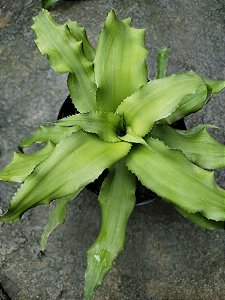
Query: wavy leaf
(200, 220)
(65, 54)
(82, 92)
(157, 99)
(76, 161)
(216, 86)
(162, 60)
(79, 33)
(47, 133)
(193, 103)
(169, 174)
(56, 218)
(117, 200)
(120, 67)
(102, 123)
(197, 144)
(23, 164)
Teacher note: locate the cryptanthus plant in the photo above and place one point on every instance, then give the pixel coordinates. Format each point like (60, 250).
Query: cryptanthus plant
(124, 125)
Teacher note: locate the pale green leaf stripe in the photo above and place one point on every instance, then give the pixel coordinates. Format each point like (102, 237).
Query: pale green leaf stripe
(76, 161)
(102, 123)
(56, 218)
(117, 200)
(162, 60)
(23, 164)
(65, 54)
(48, 133)
(197, 144)
(157, 99)
(169, 174)
(79, 33)
(120, 67)
(200, 220)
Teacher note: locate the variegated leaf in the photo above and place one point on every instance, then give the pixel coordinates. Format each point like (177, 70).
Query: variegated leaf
(56, 218)
(105, 124)
(48, 133)
(79, 33)
(23, 164)
(117, 200)
(200, 220)
(120, 67)
(65, 54)
(158, 99)
(216, 86)
(197, 144)
(193, 103)
(173, 177)
(76, 161)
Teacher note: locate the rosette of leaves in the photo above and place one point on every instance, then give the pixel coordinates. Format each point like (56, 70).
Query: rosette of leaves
(125, 126)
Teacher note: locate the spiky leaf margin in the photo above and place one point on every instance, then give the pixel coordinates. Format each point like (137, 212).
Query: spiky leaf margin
(76, 161)
(170, 175)
(117, 200)
(120, 67)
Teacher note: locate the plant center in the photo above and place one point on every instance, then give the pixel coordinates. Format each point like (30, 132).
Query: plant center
(121, 130)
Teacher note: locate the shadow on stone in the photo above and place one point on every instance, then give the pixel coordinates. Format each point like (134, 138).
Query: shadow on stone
(3, 294)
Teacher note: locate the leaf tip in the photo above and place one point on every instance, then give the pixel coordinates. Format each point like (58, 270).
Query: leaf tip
(111, 16)
(43, 242)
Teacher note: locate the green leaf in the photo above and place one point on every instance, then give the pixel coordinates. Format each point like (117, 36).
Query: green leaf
(47, 4)
(162, 60)
(117, 200)
(169, 174)
(216, 86)
(48, 133)
(82, 92)
(56, 218)
(157, 99)
(131, 137)
(23, 164)
(193, 103)
(120, 67)
(79, 33)
(197, 144)
(200, 220)
(65, 54)
(76, 161)
(102, 123)
(188, 105)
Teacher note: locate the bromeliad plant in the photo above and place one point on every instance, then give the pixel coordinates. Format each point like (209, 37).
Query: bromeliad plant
(124, 125)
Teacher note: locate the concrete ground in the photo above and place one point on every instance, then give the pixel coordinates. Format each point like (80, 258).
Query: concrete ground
(165, 257)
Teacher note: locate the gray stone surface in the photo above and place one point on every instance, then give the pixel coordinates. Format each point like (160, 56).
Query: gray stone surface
(166, 257)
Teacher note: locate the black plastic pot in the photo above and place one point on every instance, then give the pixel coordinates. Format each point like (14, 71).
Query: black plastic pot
(143, 195)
